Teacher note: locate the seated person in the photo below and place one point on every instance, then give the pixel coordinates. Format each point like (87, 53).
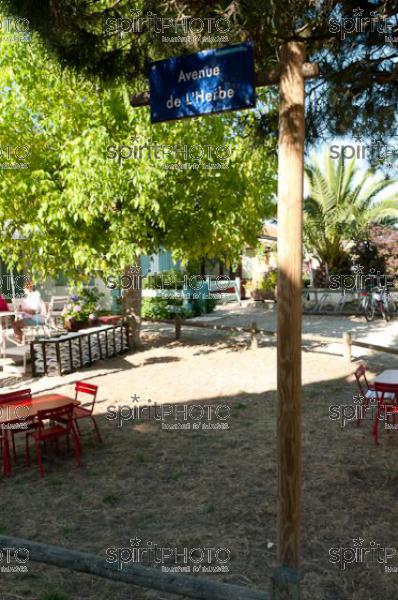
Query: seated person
(3, 304)
(33, 311)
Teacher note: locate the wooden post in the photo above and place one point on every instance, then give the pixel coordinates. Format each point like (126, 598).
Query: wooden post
(178, 326)
(253, 336)
(347, 347)
(290, 225)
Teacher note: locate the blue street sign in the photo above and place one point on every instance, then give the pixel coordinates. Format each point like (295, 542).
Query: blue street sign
(198, 84)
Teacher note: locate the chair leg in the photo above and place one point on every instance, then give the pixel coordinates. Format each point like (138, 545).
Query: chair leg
(376, 428)
(76, 445)
(77, 426)
(14, 452)
(56, 447)
(28, 461)
(39, 460)
(6, 456)
(79, 445)
(96, 429)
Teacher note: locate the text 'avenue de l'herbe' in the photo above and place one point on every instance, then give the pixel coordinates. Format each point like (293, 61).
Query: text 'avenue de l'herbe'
(199, 95)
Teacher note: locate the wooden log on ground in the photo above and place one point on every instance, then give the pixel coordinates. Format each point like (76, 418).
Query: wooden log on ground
(183, 585)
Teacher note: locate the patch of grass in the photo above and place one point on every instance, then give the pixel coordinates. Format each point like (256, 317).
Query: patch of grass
(53, 596)
(140, 457)
(175, 476)
(54, 480)
(111, 500)
(239, 406)
(66, 530)
(210, 508)
(3, 530)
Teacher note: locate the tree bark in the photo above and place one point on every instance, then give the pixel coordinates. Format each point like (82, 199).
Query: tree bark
(132, 301)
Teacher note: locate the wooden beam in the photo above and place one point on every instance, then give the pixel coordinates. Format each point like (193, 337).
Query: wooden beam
(272, 77)
(212, 326)
(182, 585)
(290, 226)
(374, 347)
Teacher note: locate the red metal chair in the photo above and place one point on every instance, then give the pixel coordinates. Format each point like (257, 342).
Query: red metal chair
(86, 411)
(19, 397)
(387, 403)
(366, 389)
(53, 432)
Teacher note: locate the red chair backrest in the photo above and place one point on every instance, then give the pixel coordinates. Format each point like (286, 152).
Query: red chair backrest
(386, 388)
(361, 372)
(18, 396)
(52, 414)
(86, 388)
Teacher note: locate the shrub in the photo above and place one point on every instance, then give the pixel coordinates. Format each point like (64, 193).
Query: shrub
(165, 280)
(161, 308)
(155, 308)
(83, 305)
(210, 304)
(270, 280)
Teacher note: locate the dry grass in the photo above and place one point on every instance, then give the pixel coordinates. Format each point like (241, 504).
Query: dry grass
(213, 489)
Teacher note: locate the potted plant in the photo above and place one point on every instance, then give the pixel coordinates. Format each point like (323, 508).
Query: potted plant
(81, 309)
(265, 288)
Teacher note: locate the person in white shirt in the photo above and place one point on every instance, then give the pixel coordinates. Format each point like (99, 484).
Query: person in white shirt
(33, 311)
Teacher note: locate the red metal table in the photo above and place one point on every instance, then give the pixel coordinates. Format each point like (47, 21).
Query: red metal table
(388, 376)
(14, 414)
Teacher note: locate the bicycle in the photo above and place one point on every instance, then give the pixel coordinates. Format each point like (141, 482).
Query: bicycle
(377, 301)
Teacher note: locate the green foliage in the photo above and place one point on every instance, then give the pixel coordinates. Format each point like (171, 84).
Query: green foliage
(338, 210)
(270, 281)
(210, 304)
(91, 298)
(353, 65)
(265, 283)
(163, 308)
(159, 308)
(80, 307)
(80, 211)
(54, 595)
(172, 279)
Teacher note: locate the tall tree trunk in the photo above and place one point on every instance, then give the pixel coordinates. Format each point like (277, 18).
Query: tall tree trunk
(132, 300)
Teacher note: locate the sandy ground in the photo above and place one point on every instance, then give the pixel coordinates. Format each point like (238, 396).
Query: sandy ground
(162, 382)
(213, 488)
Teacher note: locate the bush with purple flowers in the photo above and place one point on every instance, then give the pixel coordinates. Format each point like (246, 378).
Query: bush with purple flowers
(83, 307)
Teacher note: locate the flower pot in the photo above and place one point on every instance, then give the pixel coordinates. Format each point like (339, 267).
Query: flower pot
(72, 325)
(261, 295)
(257, 295)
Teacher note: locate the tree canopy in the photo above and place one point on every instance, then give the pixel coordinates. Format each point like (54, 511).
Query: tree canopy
(100, 187)
(355, 43)
(341, 206)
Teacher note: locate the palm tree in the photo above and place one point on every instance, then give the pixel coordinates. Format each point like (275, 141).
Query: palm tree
(339, 211)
